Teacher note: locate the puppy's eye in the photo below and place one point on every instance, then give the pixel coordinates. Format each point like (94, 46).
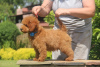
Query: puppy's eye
(25, 25)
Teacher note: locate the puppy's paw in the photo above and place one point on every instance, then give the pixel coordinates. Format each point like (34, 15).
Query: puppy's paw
(35, 59)
(69, 59)
(40, 60)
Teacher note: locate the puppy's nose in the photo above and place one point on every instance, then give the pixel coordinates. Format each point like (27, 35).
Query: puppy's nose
(21, 29)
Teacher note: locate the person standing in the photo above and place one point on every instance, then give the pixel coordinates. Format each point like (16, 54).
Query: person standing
(76, 16)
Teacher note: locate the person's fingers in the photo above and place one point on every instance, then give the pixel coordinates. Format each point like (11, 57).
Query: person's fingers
(33, 10)
(57, 14)
(36, 10)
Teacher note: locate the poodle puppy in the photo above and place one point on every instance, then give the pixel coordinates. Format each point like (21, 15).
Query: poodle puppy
(43, 40)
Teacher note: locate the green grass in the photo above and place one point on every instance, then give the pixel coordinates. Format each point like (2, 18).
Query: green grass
(8, 63)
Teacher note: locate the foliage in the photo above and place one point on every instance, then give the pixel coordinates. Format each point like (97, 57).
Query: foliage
(5, 11)
(97, 5)
(95, 48)
(12, 1)
(8, 7)
(50, 18)
(8, 34)
(21, 44)
(7, 53)
(49, 55)
(22, 53)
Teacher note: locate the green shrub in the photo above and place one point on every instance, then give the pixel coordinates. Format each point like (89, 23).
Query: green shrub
(95, 48)
(8, 32)
(50, 18)
(5, 11)
(22, 53)
(49, 55)
(6, 53)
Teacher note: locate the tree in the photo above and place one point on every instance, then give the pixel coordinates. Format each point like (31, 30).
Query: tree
(5, 11)
(13, 2)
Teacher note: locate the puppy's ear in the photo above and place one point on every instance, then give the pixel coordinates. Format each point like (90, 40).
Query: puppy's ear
(34, 24)
(32, 27)
(36, 20)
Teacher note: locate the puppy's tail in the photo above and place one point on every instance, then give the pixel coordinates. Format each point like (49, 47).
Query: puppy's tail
(61, 26)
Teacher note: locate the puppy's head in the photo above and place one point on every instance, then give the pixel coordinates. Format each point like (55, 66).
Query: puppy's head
(30, 24)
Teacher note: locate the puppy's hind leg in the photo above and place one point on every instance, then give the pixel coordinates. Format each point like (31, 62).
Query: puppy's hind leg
(66, 49)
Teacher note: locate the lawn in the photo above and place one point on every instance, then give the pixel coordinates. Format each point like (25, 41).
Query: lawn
(8, 63)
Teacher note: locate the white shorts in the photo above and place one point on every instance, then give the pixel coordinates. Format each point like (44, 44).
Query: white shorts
(81, 43)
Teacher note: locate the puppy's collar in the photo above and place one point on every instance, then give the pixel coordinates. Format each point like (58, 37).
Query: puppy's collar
(32, 34)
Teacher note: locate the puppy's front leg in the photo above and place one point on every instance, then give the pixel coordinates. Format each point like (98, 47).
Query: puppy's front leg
(37, 55)
(43, 53)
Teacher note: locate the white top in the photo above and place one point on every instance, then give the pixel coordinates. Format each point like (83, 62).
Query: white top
(72, 23)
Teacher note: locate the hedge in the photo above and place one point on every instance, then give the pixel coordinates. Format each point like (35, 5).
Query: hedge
(22, 53)
(8, 34)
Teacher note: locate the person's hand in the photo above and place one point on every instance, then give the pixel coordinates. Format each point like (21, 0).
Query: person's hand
(36, 10)
(60, 12)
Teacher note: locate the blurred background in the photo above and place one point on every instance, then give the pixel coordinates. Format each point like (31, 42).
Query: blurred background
(14, 45)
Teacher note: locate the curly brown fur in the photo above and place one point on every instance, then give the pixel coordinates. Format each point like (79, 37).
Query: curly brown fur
(47, 39)
(61, 26)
